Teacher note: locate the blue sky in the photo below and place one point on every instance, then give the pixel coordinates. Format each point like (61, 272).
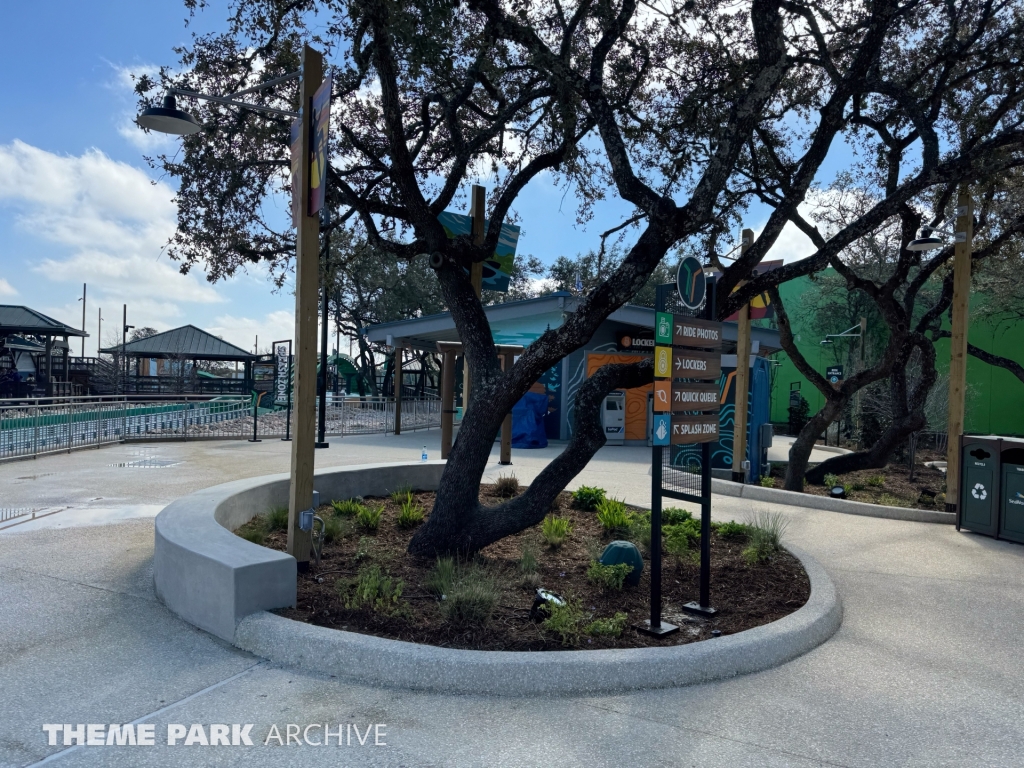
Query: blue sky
(79, 205)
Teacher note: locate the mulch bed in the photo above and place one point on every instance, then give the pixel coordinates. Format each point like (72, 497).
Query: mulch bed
(890, 486)
(745, 595)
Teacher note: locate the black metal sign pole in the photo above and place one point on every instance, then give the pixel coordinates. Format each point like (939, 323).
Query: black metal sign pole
(704, 608)
(655, 626)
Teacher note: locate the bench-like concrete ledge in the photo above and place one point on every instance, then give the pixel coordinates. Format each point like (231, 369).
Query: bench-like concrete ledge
(394, 663)
(213, 578)
(845, 506)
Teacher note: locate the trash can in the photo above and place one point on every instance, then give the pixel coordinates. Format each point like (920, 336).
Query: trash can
(978, 510)
(1011, 494)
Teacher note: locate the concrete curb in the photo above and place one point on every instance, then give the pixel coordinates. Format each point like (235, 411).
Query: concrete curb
(394, 663)
(845, 506)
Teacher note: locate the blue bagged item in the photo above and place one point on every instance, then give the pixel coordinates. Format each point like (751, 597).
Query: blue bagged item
(528, 421)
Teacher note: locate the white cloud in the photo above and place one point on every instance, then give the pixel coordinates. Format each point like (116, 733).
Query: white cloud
(100, 222)
(242, 331)
(6, 289)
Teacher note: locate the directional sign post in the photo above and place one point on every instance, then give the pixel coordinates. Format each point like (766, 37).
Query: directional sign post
(687, 369)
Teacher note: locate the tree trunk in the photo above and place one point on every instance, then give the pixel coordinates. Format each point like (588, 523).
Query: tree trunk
(800, 453)
(458, 524)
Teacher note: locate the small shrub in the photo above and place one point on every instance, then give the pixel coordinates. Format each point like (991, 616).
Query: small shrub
(675, 516)
(765, 538)
(347, 508)
(565, 620)
(369, 517)
(587, 498)
(678, 540)
(608, 576)
(277, 519)
(847, 488)
(608, 627)
(613, 516)
(372, 589)
(688, 529)
(887, 499)
(767, 481)
(402, 494)
(507, 487)
(857, 486)
(411, 514)
(732, 530)
(640, 532)
(256, 534)
(441, 577)
(876, 481)
(831, 481)
(555, 530)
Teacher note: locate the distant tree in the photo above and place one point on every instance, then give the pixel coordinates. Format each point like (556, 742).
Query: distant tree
(142, 333)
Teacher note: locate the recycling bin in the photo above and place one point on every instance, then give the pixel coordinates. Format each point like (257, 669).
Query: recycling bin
(1011, 494)
(978, 510)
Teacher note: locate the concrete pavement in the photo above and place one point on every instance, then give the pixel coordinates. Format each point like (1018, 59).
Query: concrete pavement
(923, 671)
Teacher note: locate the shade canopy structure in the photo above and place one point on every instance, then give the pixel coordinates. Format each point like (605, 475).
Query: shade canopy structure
(187, 342)
(25, 321)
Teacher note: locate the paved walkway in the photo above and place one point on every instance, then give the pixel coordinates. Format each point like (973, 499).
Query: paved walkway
(924, 671)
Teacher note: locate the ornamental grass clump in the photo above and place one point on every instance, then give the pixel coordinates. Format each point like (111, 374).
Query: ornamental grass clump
(467, 593)
(613, 516)
(765, 536)
(555, 530)
(411, 514)
(347, 508)
(506, 487)
(277, 519)
(368, 517)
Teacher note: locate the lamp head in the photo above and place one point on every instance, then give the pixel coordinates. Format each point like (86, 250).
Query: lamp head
(168, 119)
(925, 241)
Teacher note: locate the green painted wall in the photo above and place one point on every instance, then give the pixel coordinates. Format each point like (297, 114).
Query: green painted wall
(997, 403)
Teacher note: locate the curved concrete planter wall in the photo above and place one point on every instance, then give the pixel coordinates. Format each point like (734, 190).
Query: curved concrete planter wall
(226, 585)
(213, 579)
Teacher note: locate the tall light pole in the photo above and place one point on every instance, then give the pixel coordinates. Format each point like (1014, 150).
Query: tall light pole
(739, 434)
(83, 319)
(963, 245)
(169, 119)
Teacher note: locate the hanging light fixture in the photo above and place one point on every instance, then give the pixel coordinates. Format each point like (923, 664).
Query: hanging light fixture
(168, 119)
(926, 240)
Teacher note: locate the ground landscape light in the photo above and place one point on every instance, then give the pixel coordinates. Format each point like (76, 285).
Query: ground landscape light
(168, 119)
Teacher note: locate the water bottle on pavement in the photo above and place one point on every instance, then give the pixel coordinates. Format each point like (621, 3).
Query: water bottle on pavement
(423, 456)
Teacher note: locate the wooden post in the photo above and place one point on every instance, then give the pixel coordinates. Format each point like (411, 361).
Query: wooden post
(447, 397)
(476, 276)
(398, 390)
(506, 425)
(958, 342)
(739, 435)
(307, 278)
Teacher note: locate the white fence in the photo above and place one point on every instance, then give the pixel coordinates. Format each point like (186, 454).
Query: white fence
(33, 430)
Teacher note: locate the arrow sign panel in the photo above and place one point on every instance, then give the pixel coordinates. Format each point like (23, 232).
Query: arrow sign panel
(687, 430)
(695, 365)
(694, 397)
(690, 332)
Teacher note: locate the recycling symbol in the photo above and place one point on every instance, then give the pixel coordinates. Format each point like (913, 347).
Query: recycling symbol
(979, 492)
